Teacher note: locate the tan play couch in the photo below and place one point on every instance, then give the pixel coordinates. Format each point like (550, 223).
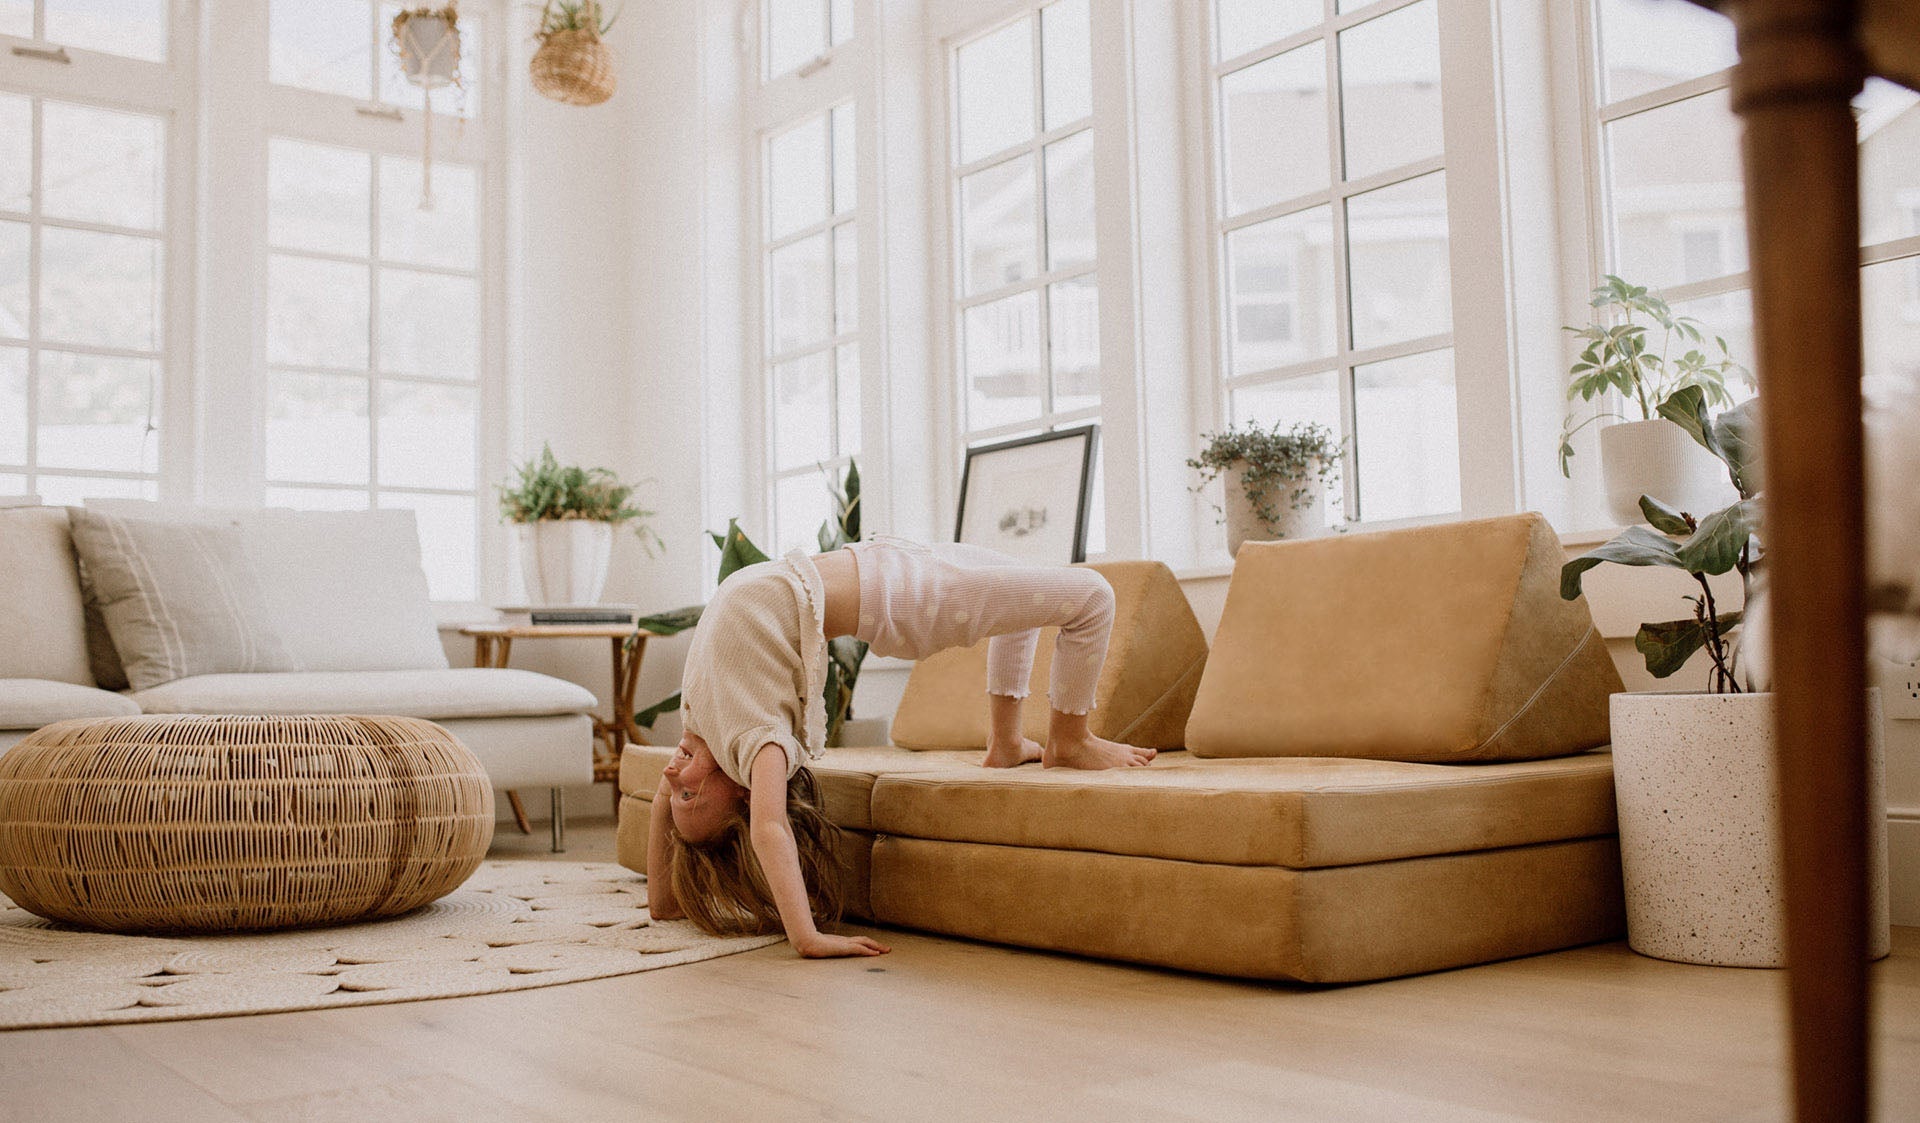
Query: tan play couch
(1389, 769)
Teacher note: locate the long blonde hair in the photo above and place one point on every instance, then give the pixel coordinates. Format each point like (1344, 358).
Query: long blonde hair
(724, 891)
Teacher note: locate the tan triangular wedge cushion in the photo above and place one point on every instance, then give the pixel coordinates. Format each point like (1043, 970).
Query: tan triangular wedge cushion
(1436, 644)
(1153, 668)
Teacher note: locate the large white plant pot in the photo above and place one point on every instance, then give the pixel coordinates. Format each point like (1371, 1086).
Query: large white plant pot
(1658, 458)
(565, 560)
(1694, 776)
(1244, 523)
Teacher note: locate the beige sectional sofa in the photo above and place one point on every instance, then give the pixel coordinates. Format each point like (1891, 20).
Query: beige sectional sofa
(323, 612)
(1276, 845)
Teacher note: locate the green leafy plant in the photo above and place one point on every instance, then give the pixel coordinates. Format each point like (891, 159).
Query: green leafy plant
(1276, 465)
(1704, 546)
(543, 489)
(737, 551)
(1619, 356)
(575, 15)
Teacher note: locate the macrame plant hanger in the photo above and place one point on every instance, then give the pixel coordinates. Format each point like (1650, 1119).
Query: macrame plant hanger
(428, 43)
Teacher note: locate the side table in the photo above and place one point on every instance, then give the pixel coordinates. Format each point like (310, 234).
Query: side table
(493, 646)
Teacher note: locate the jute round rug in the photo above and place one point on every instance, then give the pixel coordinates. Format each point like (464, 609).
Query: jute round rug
(512, 926)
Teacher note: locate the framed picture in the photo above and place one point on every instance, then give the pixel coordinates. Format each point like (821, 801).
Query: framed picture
(1030, 497)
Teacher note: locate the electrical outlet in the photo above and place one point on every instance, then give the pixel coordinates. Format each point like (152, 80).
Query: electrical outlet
(1900, 691)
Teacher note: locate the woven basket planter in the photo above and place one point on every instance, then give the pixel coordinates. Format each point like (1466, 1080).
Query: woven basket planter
(183, 824)
(574, 67)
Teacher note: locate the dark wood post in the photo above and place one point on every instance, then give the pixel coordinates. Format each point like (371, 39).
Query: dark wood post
(1800, 65)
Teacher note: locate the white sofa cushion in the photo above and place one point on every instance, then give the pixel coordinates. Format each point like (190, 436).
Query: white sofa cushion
(434, 695)
(345, 590)
(43, 631)
(29, 703)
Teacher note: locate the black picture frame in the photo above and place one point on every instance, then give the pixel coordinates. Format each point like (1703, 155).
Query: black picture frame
(987, 468)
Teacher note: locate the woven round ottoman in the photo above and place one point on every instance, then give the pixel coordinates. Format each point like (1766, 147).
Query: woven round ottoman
(180, 824)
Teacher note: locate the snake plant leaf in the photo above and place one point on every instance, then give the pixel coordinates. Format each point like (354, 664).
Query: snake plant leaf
(1637, 545)
(1668, 646)
(1715, 547)
(1738, 432)
(1664, 518)
(673, 622)
(645, 718)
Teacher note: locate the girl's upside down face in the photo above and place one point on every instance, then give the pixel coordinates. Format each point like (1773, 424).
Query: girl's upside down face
(705, 799)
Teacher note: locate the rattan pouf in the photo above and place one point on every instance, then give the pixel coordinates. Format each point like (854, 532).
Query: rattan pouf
(184, 824)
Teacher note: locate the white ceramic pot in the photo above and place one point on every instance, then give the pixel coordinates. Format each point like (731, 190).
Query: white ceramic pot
(1658, 458)
(1244, 523)
(1693, 778)
(564, 561)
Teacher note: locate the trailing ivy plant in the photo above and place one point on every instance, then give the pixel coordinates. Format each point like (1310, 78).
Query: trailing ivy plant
(1276, 465)
(1619, 355)
(543, 489)
(1703, 546)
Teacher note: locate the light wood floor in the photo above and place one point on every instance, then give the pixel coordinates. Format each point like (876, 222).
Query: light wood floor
(945, 1029)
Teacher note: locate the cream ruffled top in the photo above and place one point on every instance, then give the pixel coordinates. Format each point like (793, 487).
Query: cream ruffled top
(756, 670)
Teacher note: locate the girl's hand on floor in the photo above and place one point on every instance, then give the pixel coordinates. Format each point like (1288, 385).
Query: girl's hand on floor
(821, 945)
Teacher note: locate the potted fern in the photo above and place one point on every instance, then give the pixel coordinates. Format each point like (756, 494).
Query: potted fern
(564, 517)
(1276, 480)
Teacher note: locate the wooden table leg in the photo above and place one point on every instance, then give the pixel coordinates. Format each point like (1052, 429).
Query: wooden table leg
(519, 813)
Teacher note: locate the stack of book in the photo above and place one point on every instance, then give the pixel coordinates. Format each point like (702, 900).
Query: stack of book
(543, 614)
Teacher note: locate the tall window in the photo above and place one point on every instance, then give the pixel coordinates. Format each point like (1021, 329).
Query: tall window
(1026, 308)
(1330, 226)
(374, 286)
(799, 32)
(84, 250)
(811, 297)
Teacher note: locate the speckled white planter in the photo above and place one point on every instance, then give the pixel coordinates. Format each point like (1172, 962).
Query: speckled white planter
(1693, 776)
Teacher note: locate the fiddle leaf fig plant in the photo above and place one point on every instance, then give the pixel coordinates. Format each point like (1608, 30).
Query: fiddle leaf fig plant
(1718, 542)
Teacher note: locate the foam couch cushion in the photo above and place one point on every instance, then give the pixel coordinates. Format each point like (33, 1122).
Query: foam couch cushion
(1147, 685)
(845, 776)
(434, 695)
(42, 619)
(31, 703)
(1444, 643)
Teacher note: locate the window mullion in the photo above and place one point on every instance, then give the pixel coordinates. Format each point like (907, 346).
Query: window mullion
(1340, 246)
(35, 200)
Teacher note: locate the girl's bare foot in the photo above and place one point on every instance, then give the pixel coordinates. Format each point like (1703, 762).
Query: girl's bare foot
(1093, 752)
(1010, 755)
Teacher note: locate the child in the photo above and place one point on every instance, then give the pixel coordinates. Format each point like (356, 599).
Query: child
(737, 842)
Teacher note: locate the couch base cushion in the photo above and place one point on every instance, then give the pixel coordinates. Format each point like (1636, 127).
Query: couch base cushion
(29, 703)
(434, 695)
(553, 751)
(1346, 924)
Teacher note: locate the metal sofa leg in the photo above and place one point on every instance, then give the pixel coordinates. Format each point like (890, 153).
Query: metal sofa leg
(558, 799)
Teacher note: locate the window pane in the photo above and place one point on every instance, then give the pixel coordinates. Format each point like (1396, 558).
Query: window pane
(448, 235)
(1066, 62)
(1397, 267)
(801, 294)
(448, 543)
(316, 313)
(1280, 291)
(1647, 44)
(800, 504)
(1001, 341)
(846, 279)
(318, 499)
(317, 197)
(16, 152)
(429, 324)
(1407, 438)
(998, 228)
(797, 177)
(1390, 90)
(13, 405)
(796, 33)
(842, 21)
(463, 100)
(324, 45)
(1673, 170)
(802, 412)
(1070, 201)
(101, 166)
(1890, 313)
(316, 428)
(1242, 25)
(1309, 398)
(847, 390)
(1888, 119)
(16, 18)
(74, 491)
(995, 81)
(14, 242)
(133, 28)
(845, 180)
(1728, 316)
(100, 289)
(1273, 130)
(426, 435)
(95, 412)
(1073, 341)
(12, 483)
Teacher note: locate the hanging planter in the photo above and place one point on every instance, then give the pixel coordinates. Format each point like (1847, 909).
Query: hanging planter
(427, 43)
(573, 65)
